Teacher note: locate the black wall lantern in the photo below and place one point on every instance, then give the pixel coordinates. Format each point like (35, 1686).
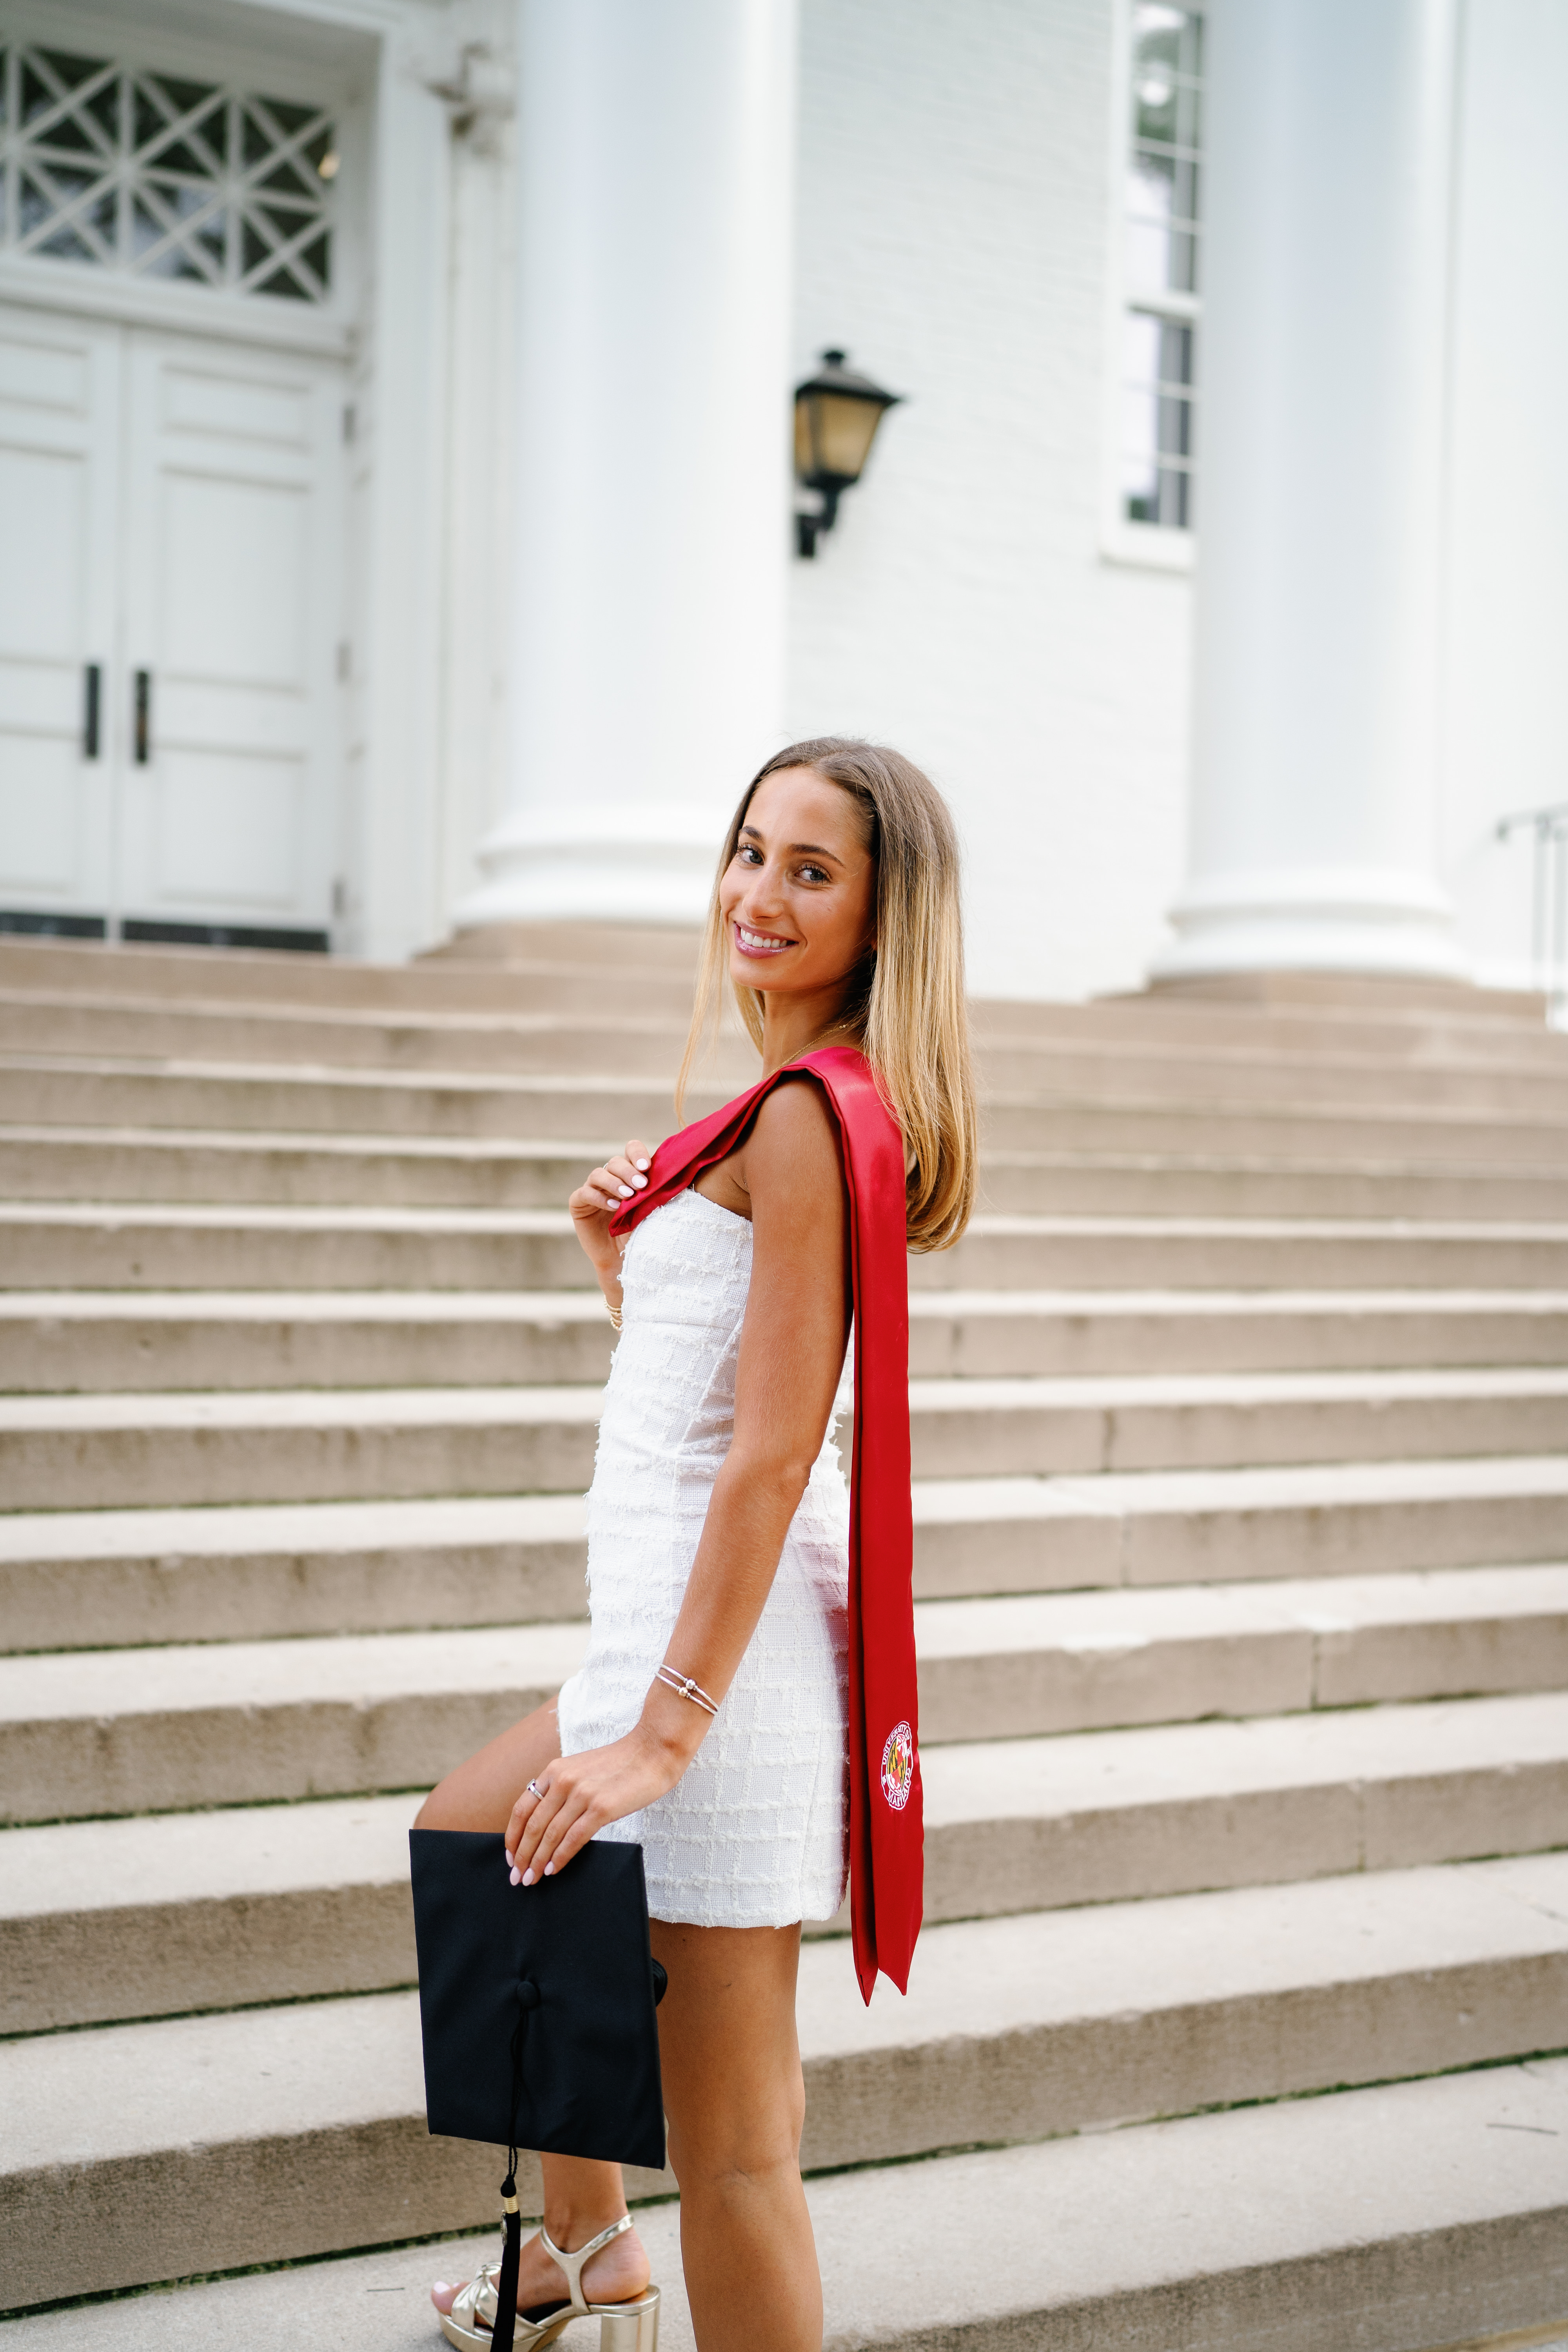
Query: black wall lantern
(837, 414)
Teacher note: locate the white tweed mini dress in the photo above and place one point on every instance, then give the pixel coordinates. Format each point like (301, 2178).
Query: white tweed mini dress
(753, 1834)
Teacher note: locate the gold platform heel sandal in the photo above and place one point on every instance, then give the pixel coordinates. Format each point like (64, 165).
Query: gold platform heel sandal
(631, 2327)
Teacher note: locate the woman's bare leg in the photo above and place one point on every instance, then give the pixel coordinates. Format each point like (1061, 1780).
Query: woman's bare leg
(735, 2101)
(481, 1794)
(580, 2199)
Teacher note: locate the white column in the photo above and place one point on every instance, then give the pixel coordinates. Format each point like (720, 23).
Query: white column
(655, 160)
(1322, 365)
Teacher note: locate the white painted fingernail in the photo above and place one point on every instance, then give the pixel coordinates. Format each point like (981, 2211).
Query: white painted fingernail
(625, 1191)
(639, 1182)
(515, 1880)
(642, 1163)
(549, 1869)
(527, 1879)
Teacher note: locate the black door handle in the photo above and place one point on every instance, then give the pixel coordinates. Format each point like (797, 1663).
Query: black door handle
(91, 706)
(144, 725)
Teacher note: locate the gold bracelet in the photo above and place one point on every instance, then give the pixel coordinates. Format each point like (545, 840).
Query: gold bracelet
(684, 1688)
(614, 1314)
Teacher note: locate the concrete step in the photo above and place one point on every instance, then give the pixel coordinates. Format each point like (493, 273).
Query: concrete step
(640, 1042)
(1386, 2218)
(169, 1914)
(92, 1580)
(1104, 1069)
(209, 1167)
(990, 1333)
(549, 967)
(567, 966)
(1353, 991)
(80, 1341)
(557, 974)
(173, 1913)
(131, 1450)
(1108, 1183)
(82, 1090)
(627, 1041)
(129, 1731)
(1081, 2018)
(1408, 1031)
(1173, 1809)
(114, 1731)
(1080, 1661)
(148, 1246)
(1003, 1253)
(142, 1245)
(188, 2145)
(84, 1340)
(1281, 1131)
(997, 1428)
(1341, 1519)
(127, 1164)
(295, 1445)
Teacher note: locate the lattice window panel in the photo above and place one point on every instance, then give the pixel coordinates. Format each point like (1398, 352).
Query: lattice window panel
(154, 176)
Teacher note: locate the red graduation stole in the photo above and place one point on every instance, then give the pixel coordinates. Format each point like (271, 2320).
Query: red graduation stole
(886, 1834)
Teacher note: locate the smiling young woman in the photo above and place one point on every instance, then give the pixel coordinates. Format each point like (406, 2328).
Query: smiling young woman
(746, 1707)
(903, 1000)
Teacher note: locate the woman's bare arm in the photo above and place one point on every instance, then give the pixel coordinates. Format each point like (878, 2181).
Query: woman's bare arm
(792, 1352)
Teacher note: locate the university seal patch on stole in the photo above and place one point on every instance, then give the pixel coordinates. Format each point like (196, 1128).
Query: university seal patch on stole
(899, 1766)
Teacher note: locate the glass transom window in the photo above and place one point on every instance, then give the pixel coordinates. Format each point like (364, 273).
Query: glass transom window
(1161, 242)
(145, 173)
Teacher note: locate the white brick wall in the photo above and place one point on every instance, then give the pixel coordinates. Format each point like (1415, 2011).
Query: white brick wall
(955, 218)
(1506, 713)
(954, 223)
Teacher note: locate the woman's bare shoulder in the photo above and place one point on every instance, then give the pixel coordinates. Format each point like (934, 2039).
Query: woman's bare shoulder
(791, 1152)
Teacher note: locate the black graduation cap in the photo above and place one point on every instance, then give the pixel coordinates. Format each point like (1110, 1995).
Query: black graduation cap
(537, 2006)
(561, 1969)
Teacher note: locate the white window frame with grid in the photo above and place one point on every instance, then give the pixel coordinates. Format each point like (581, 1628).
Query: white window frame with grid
(113, 167)
(117, 283)
(1150, 249)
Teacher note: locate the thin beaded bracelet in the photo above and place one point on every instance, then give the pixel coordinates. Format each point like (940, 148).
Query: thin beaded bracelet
(683, 1685)
(615, 1314)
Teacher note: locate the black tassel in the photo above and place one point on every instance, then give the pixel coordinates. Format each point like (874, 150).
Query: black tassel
(506, 2286)
(505, 2328)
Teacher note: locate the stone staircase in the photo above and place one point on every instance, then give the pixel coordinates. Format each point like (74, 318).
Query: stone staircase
(1241, 1447)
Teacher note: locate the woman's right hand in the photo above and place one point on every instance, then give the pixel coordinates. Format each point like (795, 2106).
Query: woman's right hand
(596, 1198)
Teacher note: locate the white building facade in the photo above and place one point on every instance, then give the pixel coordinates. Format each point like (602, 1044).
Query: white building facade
(394, 463)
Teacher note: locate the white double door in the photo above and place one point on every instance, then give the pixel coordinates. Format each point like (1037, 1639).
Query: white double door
(171, 609)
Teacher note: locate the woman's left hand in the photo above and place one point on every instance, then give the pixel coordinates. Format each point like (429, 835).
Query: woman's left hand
(578, 1794)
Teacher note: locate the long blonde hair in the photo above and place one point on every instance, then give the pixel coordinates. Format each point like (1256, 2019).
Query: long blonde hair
(906, 1007)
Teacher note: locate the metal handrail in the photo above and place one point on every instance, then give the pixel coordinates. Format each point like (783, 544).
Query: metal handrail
(1548, 827)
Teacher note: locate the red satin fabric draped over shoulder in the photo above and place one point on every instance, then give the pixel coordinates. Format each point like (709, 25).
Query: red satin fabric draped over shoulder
(886, 1830)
